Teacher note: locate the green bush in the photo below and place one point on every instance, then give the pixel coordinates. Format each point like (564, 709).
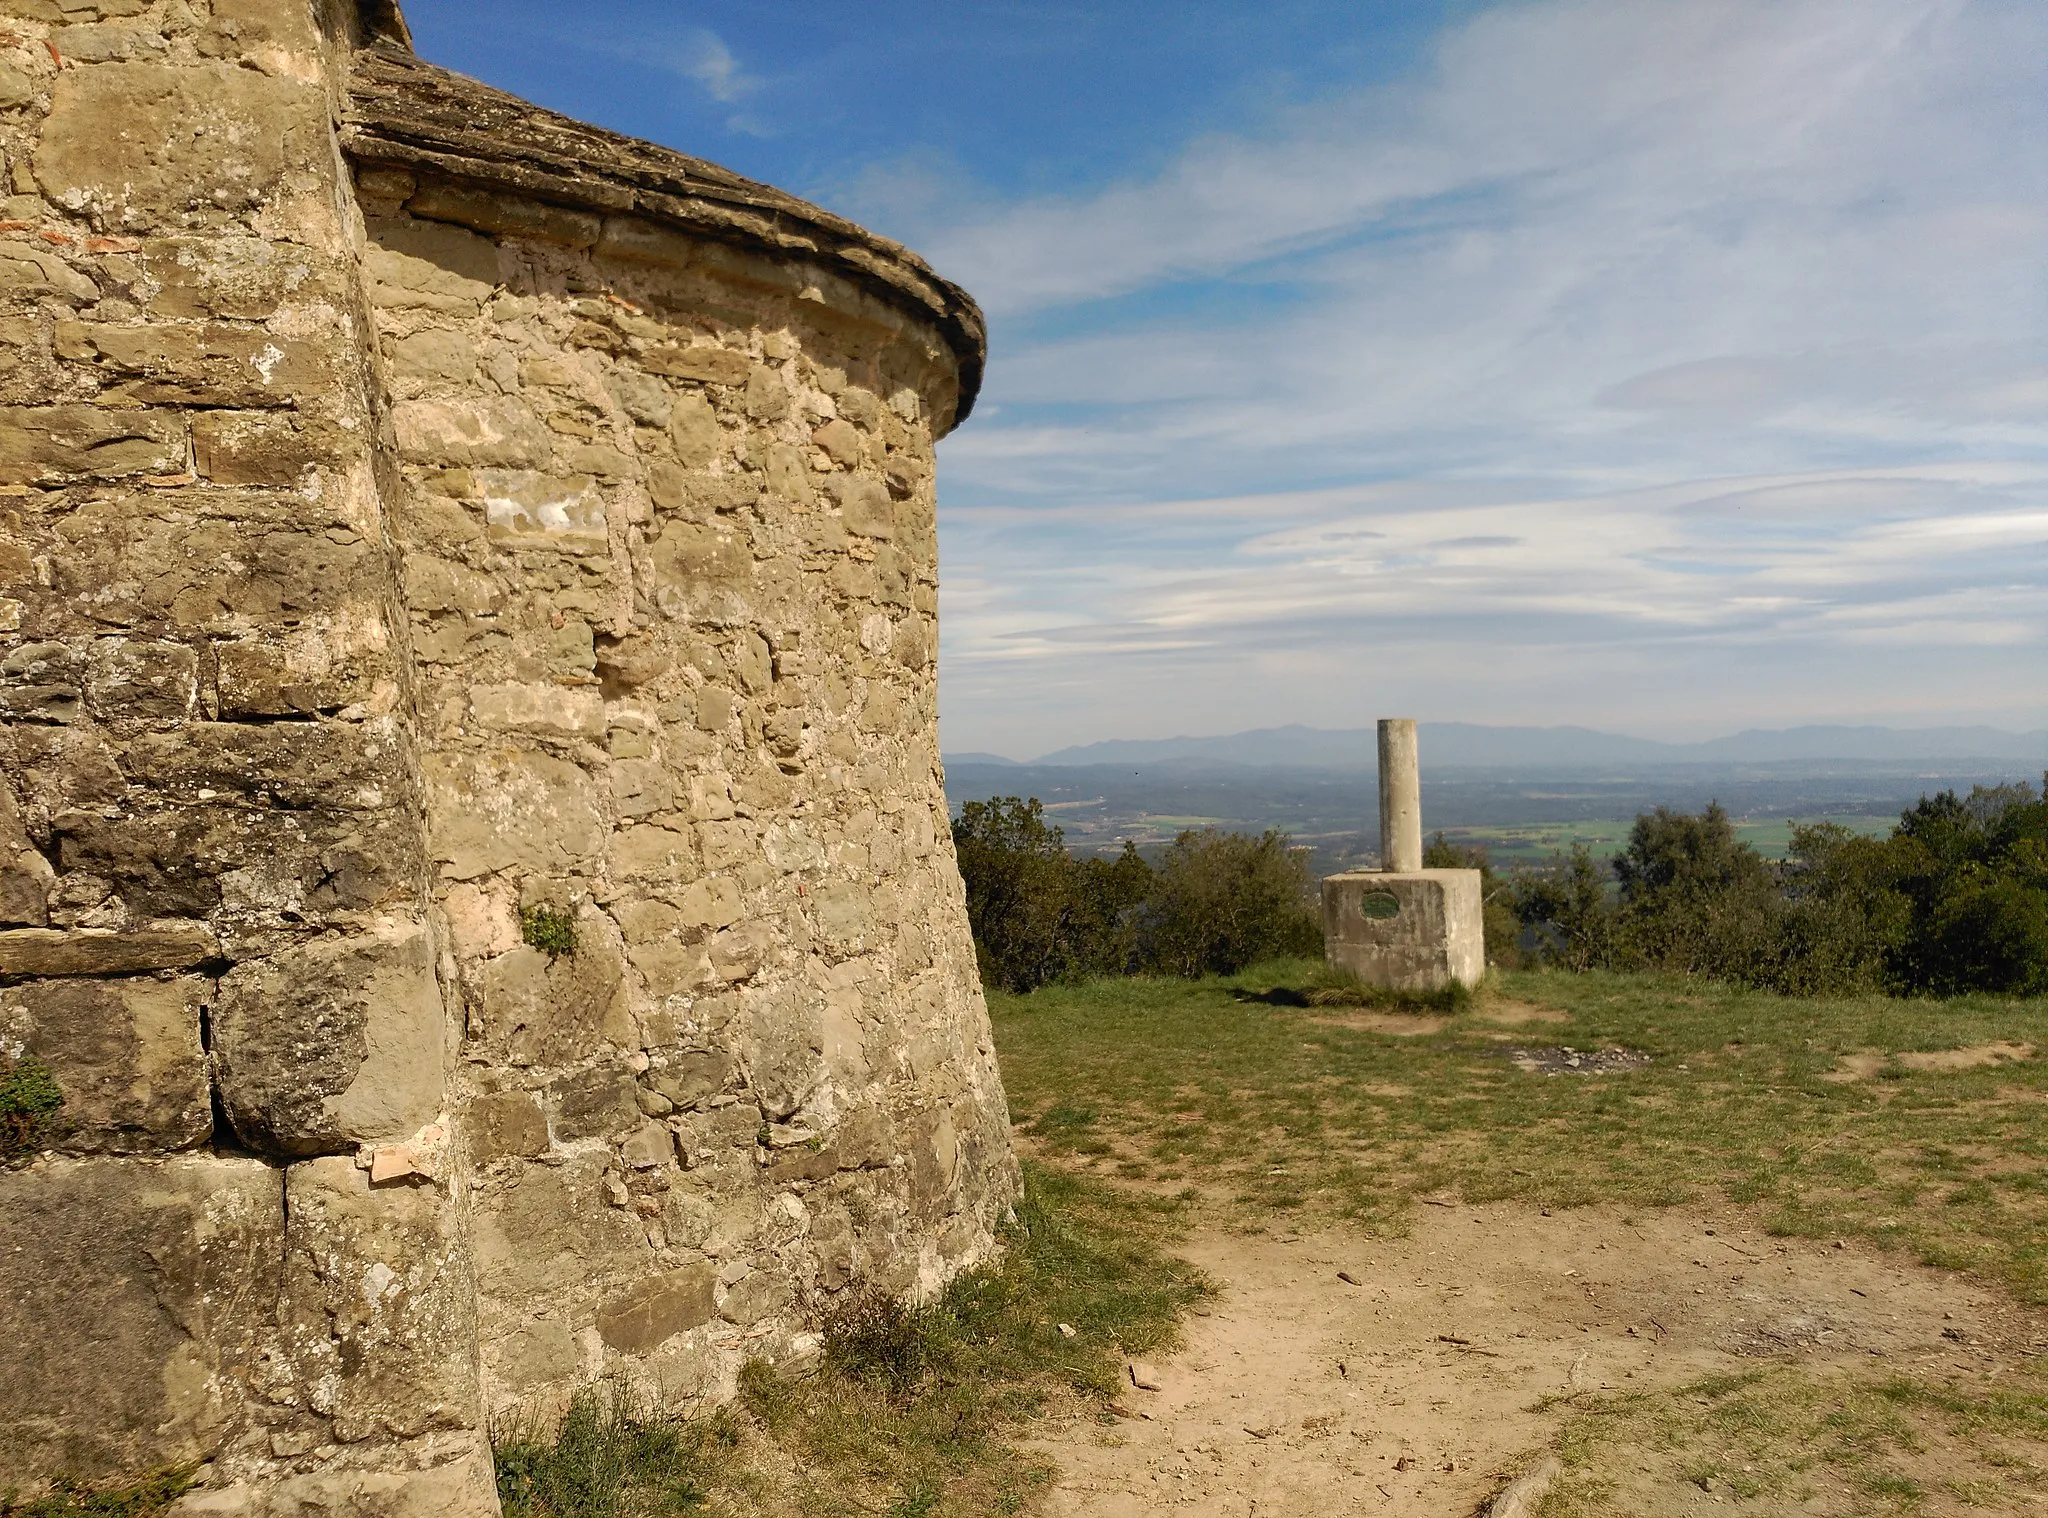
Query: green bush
(1226, 900)
(1020, 892)
(549, 929)
(1954, 900)
(1216, 902)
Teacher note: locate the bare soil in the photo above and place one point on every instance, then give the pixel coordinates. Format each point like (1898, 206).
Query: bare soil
(1865, 1063)
(1444, 1370)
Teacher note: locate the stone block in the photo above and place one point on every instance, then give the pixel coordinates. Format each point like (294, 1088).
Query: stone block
(508, 1124)
(511, 809)
(552, 709)
(74, 441)
(132, 1297)
(469, 433)
(1417, 931)
(596, 1103)
(540, 1009)
(504, 215)
(205, 560)
(102, 951)
(652, 852)
(196, 364)
(29, 272)
(233, 277)
(429, 265)
(785, 1050)
(701, 362)
(333, 1044)
(139, 678)
(693, 428)
(185, 862)
(144, 144)
(264, 447)
(461, 1485)
(379, 1306)
(552, 1234)
(688, 1078)
(647, 1314)
(71, 10)
(865, 505)
(551, 513)
(125, 1053)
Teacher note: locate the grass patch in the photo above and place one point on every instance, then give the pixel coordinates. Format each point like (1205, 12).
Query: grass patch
(908, 1410)
(146, 1498)
(1233, 1080)
(611, 1457)
(1789, 1435)
(29, 1098)
(549, 929)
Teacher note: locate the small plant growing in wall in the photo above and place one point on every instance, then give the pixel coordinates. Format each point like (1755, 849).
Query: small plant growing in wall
(549, 929)
(29, 1098)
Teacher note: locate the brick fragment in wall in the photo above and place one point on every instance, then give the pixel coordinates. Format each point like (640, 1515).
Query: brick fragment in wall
(125, 1053)
(333, 1044)
(133, 1300)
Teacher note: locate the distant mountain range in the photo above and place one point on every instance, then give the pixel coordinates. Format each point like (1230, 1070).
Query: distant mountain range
(1469, 745)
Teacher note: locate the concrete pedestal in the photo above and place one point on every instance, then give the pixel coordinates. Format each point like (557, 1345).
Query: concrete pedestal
(1411, 930)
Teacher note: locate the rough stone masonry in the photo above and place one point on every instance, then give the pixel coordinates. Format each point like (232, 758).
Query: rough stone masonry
(473, 856)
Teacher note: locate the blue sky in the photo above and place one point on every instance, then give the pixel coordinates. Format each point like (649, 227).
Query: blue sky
(1669, 366)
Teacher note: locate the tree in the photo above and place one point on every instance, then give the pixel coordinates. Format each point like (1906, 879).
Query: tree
(1016, 871)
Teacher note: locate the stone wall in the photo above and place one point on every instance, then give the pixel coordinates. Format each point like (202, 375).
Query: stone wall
(473, 857)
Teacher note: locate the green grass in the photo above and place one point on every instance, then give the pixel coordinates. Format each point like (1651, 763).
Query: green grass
(144, 1498)
(910, 1409)
(1278, 1106)
(549, 929)
(29, 1098)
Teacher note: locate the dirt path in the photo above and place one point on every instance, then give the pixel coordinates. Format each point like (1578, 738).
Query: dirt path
(1416, 1391)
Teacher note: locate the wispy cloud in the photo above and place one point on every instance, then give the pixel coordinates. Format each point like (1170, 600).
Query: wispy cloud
(1665, 363)
(708, 61)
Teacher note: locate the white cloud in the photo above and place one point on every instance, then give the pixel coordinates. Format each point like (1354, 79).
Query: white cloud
(711, 64)
(1730, 315)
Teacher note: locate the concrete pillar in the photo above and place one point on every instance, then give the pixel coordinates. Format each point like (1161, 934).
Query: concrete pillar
(1400, 797)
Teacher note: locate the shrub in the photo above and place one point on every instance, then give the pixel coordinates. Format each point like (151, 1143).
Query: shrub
(1565, 910)
(1227, 900)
